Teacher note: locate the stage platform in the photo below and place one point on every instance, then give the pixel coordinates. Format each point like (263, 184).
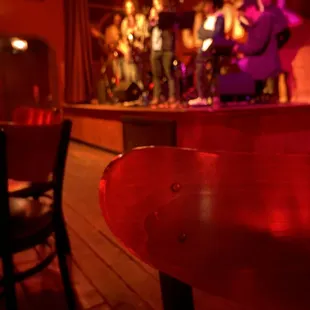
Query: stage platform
(281, 128)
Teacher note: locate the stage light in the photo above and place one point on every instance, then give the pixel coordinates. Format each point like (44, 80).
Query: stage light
(18, 44)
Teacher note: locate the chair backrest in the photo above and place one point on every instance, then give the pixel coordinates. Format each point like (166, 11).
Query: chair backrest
(31, 153)
(36, 116)
(137, 184)
(34, 152)
(206, 218)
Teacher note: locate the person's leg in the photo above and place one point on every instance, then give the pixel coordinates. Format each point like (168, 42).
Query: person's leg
(201, 75)
(270, 86)
(127, 71)
(121, 69)
(168, 70)
(136, 76)
(200, 81)
(156, 72)
(212, 71)
(116, 65)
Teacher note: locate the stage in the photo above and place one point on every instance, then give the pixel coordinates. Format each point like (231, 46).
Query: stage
(263, 128)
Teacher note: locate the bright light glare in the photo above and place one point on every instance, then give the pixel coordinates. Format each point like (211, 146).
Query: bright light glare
(18, 44)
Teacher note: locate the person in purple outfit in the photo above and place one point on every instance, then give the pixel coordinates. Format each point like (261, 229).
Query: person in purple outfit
(260, 53)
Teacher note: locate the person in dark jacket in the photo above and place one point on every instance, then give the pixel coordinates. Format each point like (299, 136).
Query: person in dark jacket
(212, 28)
(260, 52)
(162, 53)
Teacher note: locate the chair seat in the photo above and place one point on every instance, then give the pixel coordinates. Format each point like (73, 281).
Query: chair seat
(31, 221)
(28, 189)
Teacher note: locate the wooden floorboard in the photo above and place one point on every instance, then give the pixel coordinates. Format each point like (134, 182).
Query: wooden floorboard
(113, 258)
(83, 214)
(105, 275)
(87, 165)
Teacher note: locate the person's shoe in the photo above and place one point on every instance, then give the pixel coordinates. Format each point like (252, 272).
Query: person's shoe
(155, 101)
(129, 104)
(171, 100)
(198, 102)
(210, 101)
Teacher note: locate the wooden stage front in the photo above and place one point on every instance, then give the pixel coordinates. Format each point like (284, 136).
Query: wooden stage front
(282, 128)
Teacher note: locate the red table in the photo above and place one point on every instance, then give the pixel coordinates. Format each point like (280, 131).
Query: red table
(235, 225)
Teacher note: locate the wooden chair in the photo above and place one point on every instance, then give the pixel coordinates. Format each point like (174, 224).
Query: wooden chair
(33, 153)
(235, 225)
(33, 116)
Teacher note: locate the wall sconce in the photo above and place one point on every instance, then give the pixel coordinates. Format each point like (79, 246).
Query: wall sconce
(19, 45)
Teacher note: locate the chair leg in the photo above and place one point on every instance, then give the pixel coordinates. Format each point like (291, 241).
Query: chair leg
(63, 251)
(66, 279)
(8, 282)
(175, 294)
(64, 242)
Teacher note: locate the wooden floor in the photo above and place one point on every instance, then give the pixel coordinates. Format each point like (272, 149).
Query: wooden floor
(105, 275)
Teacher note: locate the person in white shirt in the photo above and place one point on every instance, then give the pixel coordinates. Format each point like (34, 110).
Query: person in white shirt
(162, 53)
(212, 28)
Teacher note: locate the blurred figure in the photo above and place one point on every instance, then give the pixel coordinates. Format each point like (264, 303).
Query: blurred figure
(198, 22)
(112, 37)
(260, 52)
(162, 53)
(190, 35)
(233, 29)
(213, 27)
(281, 31)
(281, 28)
(134, 31)
(113, 32)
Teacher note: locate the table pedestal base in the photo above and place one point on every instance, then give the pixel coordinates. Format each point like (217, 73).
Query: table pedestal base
(176, 295)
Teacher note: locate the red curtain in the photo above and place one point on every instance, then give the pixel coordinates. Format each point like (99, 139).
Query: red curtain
(78, 73)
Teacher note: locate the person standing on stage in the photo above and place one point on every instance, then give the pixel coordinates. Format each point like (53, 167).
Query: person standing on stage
(281, 27)
(134, 31)
(113, 32)
(112, 37)
(260, 54)
(211, 29)
(162, 53)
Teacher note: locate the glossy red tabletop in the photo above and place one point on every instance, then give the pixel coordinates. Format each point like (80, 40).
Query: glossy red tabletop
(234, 225)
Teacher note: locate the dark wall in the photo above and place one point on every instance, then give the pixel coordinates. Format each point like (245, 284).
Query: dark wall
(20, 73)
(39, 19)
